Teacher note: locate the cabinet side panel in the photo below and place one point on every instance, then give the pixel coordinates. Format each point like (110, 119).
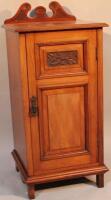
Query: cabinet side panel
(13, 48)
(100, 94)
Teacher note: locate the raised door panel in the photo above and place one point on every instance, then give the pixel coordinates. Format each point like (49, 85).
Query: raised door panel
(63, 126)
(67, 124)
(57, 59)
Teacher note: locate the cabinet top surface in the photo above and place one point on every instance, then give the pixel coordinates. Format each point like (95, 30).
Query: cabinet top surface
(27, 20)
(46, 26)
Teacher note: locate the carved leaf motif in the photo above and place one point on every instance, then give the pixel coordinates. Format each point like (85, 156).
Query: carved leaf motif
(62, 58)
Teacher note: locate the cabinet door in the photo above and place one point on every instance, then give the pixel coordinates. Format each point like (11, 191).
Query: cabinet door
(67, 124)
(64, 134)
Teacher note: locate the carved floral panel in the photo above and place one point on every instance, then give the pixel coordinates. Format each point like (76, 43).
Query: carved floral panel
(62, 58)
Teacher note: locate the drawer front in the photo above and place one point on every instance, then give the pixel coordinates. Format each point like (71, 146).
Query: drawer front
(62, 54)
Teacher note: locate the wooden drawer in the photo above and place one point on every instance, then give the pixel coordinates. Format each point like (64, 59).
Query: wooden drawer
(63, 54)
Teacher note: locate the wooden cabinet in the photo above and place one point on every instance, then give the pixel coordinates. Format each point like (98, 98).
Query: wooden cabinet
(55, 71)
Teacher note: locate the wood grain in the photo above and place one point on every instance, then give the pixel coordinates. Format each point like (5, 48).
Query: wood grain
(53, 26)
(68, 40)
(16, 94)
(31, 191)
(59, 69)
(19, 98)
(40, 166)
(65, 139)
(60, 107)
(100, 180)
(40, 14)
(93, 170)
(100, 94)
(63, 108)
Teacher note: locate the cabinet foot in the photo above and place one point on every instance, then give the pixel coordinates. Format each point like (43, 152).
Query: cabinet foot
(100, 180)
(17, 169)
(31, 191)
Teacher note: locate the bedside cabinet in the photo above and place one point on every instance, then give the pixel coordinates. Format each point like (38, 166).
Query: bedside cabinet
(56, 87)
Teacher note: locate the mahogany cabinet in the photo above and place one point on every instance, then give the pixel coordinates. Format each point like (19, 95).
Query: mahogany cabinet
(56, 86)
